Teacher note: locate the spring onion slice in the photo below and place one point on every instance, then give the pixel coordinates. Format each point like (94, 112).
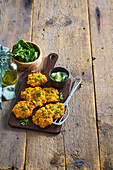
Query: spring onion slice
(59, 76)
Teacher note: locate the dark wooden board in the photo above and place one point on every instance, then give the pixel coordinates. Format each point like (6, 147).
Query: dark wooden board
(13, 122)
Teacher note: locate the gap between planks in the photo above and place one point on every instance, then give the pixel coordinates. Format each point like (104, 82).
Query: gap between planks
(93, 73)
(32, 17)
(64, 151)
(25, 152)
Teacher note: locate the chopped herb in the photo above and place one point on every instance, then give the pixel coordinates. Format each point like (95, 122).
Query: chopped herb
(23, 108)
(31, 103)
(22, 90)
(52, 94)
(45, 114)
(51, 107)
(24, 122)
(48, 91)
(52, 91)
(40, 81)
(58, 106)
(36, 100)
(48, 98)
(37, 118)
(61, 97)
(37, 94)
(50, 112)
(43, 111)
(35, 79)
(24, 113)
(57, 111)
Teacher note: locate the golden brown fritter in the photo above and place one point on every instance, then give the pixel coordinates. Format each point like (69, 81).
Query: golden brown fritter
(57, 109)
(42, 118)
(45, 115)
(36, 95)
(36, 79)
(23, 109)
(52, 95)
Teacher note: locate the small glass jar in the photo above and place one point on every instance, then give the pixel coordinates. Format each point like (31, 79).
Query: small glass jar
(8, 70)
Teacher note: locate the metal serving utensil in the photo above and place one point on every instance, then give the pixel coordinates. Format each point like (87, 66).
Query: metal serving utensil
(65, 116)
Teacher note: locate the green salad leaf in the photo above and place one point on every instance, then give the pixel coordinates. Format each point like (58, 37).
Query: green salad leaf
(25, 52)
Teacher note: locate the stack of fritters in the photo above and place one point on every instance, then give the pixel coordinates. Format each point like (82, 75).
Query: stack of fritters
(36, 97)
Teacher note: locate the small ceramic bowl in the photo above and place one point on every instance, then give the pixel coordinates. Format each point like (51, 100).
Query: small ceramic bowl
(30, 65)
(57, 84)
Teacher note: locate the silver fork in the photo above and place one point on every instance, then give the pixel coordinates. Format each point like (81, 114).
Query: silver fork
(65, 116)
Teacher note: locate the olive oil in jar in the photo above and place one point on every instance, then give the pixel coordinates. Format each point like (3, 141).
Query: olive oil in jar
(9, 78)
(8, 70)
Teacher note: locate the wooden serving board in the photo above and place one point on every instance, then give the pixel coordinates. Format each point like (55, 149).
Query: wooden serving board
(13, 122)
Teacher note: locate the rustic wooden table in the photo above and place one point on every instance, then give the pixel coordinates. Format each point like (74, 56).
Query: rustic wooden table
(81, 33)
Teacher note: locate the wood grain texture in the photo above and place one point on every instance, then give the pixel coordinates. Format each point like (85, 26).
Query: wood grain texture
(15, 24)
(62, 27)
(102, 52)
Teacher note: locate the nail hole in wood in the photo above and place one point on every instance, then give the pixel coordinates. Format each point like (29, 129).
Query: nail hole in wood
(83, 73)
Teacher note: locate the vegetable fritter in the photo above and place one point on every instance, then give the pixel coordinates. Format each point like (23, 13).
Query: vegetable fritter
(42, 118)
(35, 95)
(57, 109)
(45, 115)
(23, 109)
(36, 79)
(52, 95)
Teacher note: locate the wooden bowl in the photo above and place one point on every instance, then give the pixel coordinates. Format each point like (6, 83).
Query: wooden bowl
(30, 65)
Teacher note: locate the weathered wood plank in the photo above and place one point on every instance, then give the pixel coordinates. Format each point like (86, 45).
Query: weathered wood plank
(62, 27)
(15, 24)
(101, 12)
(47, 151)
